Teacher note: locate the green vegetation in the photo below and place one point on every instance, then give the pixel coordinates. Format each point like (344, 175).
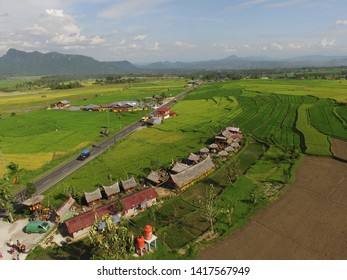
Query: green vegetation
(277, 117)
(40, 140)
(316, 143)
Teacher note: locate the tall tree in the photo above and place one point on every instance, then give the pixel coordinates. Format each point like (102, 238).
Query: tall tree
(114, 242)
(6, 199)
(209, 207)
(14, 170)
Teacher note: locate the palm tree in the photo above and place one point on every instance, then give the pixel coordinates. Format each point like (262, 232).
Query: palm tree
(6, 199)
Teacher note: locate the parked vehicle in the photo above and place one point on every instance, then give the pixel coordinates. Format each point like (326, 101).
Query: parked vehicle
(37, 227)
(85, 154)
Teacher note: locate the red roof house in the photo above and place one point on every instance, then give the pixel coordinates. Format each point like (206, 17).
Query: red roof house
(79, 225)
(139, 201)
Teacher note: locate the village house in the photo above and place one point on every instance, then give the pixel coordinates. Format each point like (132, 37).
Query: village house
(61, 104)
(134, 203)
(79, 225)
(93, 198)
(193, 174)
(90, 107)
(64, 210)
(165, 113)
(157, 177)
(112, 191)
(129, 185)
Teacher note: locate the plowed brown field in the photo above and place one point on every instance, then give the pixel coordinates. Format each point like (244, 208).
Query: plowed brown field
(308, 222)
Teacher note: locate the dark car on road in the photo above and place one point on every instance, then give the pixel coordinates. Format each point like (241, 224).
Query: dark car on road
(85, 154)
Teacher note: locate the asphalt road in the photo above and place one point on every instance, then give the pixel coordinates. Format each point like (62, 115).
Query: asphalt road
(47, 181)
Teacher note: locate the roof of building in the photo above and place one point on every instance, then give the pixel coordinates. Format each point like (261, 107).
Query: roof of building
(223, 153)
(154, 120)
(33, 200)
(194, 157)
(229, 149)
(135, 199)
(233, 129)
(226, 133)
(179, 167)
(213, 146)
(235, 145)
(87, 219)
(91, 106)
(164, 109)
(64, 209)
(64, 102)
(204, 150)
(154, 177)
(113, 189)
(192, 172)
(92, 196)
(128, 184)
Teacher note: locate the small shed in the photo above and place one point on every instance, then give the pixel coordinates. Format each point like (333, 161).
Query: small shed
(194, 158)
(229, 149)
(112, 191)
(154, 120)
(129, 185)
(213, 146)
(93, 197)
(154, 177)
(235, 145)
(223, 153)
(204, 150)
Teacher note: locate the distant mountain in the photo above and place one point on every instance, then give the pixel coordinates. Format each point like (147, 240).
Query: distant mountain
(253, 62)
(16, 62)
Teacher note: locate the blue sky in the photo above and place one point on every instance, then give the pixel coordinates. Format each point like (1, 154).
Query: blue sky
(175, 30)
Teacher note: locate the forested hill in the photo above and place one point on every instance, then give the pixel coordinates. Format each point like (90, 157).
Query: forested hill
(16, 62)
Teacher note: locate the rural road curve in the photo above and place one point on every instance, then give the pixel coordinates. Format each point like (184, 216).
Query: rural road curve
(47, 181)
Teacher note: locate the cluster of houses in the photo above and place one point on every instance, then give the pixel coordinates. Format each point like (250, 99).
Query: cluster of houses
(131, 204)
(126, 105)
(63, 104)
(180, 176)
(183, 174)
(160, 115)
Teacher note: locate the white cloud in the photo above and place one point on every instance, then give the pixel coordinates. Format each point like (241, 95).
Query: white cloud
(224, 46)
(155, 47)
(140, 37)
(130, 8)
(341, 22)
(186, 45)
(327, 43)
(56, 13)
(276, 46)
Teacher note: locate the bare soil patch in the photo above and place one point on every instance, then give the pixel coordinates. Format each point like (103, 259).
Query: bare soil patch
(308, 222)
(339, 148)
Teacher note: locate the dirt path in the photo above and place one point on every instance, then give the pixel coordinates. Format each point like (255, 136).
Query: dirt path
(339, 148)
(308, 222)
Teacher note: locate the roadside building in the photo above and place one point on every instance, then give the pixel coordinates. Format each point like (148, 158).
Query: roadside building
(165, 113)
(137, 202)
(79, 225)
(192, 174)
(93, 198)
(91, 107)
(112, 191)
(64, 210)
(154, 120)
(129, 185)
